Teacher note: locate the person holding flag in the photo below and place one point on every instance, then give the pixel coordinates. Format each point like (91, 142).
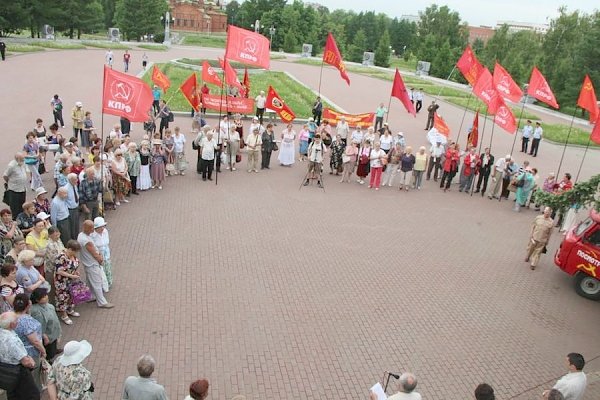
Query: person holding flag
(431, 110)
(450, 166)
(470, 166)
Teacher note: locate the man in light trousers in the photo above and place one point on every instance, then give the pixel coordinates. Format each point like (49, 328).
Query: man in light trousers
(92, 260)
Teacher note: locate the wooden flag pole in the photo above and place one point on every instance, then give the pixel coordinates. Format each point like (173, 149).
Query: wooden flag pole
(479, 150)
(463, 117)
(566, 142)
(512, 149)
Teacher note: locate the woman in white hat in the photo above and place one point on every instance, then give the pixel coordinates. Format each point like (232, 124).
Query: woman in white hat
(68, 378)
(41, 203)
(102, 242)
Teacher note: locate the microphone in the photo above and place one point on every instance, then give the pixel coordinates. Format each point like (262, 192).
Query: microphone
(396, 376)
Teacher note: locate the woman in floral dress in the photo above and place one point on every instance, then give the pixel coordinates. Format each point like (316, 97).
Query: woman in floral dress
(337, 150)
(66, 272)
(68, 378)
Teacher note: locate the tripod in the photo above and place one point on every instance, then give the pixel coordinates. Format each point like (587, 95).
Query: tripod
(306, 179)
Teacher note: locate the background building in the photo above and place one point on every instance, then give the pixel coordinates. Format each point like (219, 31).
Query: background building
(198, 16)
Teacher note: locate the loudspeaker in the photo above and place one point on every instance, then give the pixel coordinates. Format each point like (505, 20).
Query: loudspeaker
(114, 34)
(368, 58)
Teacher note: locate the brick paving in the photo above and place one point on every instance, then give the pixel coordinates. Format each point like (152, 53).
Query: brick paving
(272, 291)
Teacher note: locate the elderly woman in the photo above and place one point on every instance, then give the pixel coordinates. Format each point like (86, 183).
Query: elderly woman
(40, 132)
(524, 188)
(94, 152)
(303, 137)
(66, 272)
(25, 219)
(179, 152)
(29, 330)
(19, 245)
(363, 162)
(121, 181)
(45, 314)
(198, 390)
(349, 160)
(450, 166)
(376, 159)
(133, 160)
(144, 180)
(27, 275)
(68, 379)
(169, 148)
(9, 287)
(32, 159)
(419, 168)
(233, 141)
(158, 161)
(287, 153)
(407, 164)
(41, 203)
(337, 151)
(61, 178)
(54, 248)
(102, 241)
(77, 166)
(37, 241)
(8, 232)
(393, 165)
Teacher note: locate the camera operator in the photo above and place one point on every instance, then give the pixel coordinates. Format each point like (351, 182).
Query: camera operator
(316, 152)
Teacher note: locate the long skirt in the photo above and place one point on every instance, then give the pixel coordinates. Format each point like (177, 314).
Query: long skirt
(362, 170)
(36, 178)
(107, 266)
(144, 181)
(303, 147)
(157, 172)
(286, 153)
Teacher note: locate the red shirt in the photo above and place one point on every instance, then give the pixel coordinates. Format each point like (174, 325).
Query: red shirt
(126, 57)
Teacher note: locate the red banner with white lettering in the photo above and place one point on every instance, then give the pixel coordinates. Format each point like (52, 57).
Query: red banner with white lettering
(539, 88)
(209, 75)
(362, 120)
(469, 66)
(228, 104)
(484, 88)
(332, 56)
(126, 96)
(247, 47)
(505, 84)
(275, 103)
(503, 115)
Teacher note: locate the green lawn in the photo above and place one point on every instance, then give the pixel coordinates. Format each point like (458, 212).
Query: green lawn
(558, 133)
(21, 48)
(59, 45)
(153, 47)
(410, 65)
(203, 40)
(105, 45)
(299, 98)
(213, 63)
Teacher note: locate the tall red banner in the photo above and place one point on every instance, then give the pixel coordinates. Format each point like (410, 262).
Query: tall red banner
(362, 120)
(399, 91)
(469, 66)
(332, 56)
(595, 136)
(247, 47)
(275, 103)
(228, 103)
(209, 75)
(484, 88)
(505, 85)
(190, 92)
(126, 96)
(539, 88)
(231, 77)
(473, 137)
(587, 98)
(503, 115)
(160, 79)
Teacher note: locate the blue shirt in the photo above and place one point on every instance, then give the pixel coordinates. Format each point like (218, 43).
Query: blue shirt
(71, 201)
(27, 276)
(527, 131)
(26, 325)
(156, 93)
(58, 210)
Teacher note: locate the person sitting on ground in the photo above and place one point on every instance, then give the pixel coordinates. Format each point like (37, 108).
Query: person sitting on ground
(143, 387)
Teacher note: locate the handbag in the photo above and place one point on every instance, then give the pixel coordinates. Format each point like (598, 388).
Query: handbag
(80, 292)
(169, 167)
(238, 158)
(275, 147)
(345, 158)
(5, 197)
(107, 196)
(183, 164)
(171, 117)
(41, 168)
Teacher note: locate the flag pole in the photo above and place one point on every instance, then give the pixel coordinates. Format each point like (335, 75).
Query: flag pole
(479, 150)
(220, 114)
(583, 158)
(321, 76)
(463, 117)
(103, 213)
(566, 142)
(512, 149)
(448, 78)
(388, 109)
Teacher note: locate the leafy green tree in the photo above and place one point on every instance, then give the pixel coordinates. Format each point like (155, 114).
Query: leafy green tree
(358, 47)
(232, 10)
(382, 54)
(478, 46)
(136, 18)
(108, 6)
(13, 16)
(289, 42)
(403, 35)
(81, 15)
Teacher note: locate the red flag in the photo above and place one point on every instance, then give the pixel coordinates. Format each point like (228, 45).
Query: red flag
(209, 75)
(247, 47)
(246, 83)
(440, 125)
(595, 137)
(469, 66)
(474, 132)
(587, 98)
(399, 91)
(504, 116)
(275, 103)
(190, 92)
(160, 79)
(484, 88)
(126, 96)
(332, 56)
(539, 88)
(505, 85)
(231, 77)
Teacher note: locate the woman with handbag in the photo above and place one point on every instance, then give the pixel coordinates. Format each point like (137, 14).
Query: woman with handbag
(132, 158)
(68, 378)
(363, 162)
(179, 152)
(66, 272)
(32, 159)
(102, 241)
(393, 164)
(335, 160)
(349, 160)
(29, 331)
(9, 287)
(121, 180)
(377, 158)
(169, 147)
(407, 164)
(450, 166)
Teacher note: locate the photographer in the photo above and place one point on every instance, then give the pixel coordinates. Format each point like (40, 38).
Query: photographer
(316, 151)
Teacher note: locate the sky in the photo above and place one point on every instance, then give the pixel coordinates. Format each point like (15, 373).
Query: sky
(475, 12)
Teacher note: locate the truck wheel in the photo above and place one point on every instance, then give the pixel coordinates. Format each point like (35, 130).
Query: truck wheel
(587, 286)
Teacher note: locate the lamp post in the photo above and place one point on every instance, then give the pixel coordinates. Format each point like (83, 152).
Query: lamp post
(271, 33)
(167, 20)
(257, 26)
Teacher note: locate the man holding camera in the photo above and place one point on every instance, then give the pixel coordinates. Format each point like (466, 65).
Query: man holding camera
(315, 161)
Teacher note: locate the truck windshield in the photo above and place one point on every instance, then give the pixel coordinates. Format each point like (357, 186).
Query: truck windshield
(582, 227)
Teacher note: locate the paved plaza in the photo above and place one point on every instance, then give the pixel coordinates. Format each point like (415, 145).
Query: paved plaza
(276, 292)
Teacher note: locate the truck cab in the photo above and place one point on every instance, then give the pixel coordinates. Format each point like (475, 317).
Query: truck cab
(579, 256)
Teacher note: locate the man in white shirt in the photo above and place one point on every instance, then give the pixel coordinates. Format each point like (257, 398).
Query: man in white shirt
(435, 157)
(538, 132)
(526, 135)
(418, 97)
(12, 352)
(208, 145)
(253, 144)
(573, 384)
(343, 129)
(261, 101)
(406, 386)
(499, 168)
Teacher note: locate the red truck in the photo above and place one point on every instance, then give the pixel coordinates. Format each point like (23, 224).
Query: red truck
(579, 256)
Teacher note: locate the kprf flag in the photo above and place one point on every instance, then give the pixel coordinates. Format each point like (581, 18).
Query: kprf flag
(399, 91)
(275, 103)
(231, 77)
(587, 98)
(247, 47)
(469, 66)
(332, 56)
(126, 96)
(160, 79)
(440, 125)
(595, 137)
(539, 88)
(190, 92)
(473, 136)
(503, 115)
(484, 88)
(246, 83)
(505, 85)
(209, 75)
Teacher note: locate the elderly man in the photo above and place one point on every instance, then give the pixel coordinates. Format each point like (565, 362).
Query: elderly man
(89, 190)
(541, 230)
(487, 162)
(406, 386)
(498, 171)
(144, 387)
(59, 214)
(15, 183)
(261, 102)
(73, 203)
(17, 362)
(253, 147)
(92, 260)
(572, 385)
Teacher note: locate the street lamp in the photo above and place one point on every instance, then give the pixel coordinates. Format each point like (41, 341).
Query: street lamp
(167, 20)
(257, 26)
(271, 33)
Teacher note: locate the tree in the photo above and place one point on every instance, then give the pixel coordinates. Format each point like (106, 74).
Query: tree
(13, 17)
(108, 6)
(403, 35)
(289, 42)
(382, 54)
(478, 46)
(232, 10)
(358, 47)
(136, 18)
(80, 15)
